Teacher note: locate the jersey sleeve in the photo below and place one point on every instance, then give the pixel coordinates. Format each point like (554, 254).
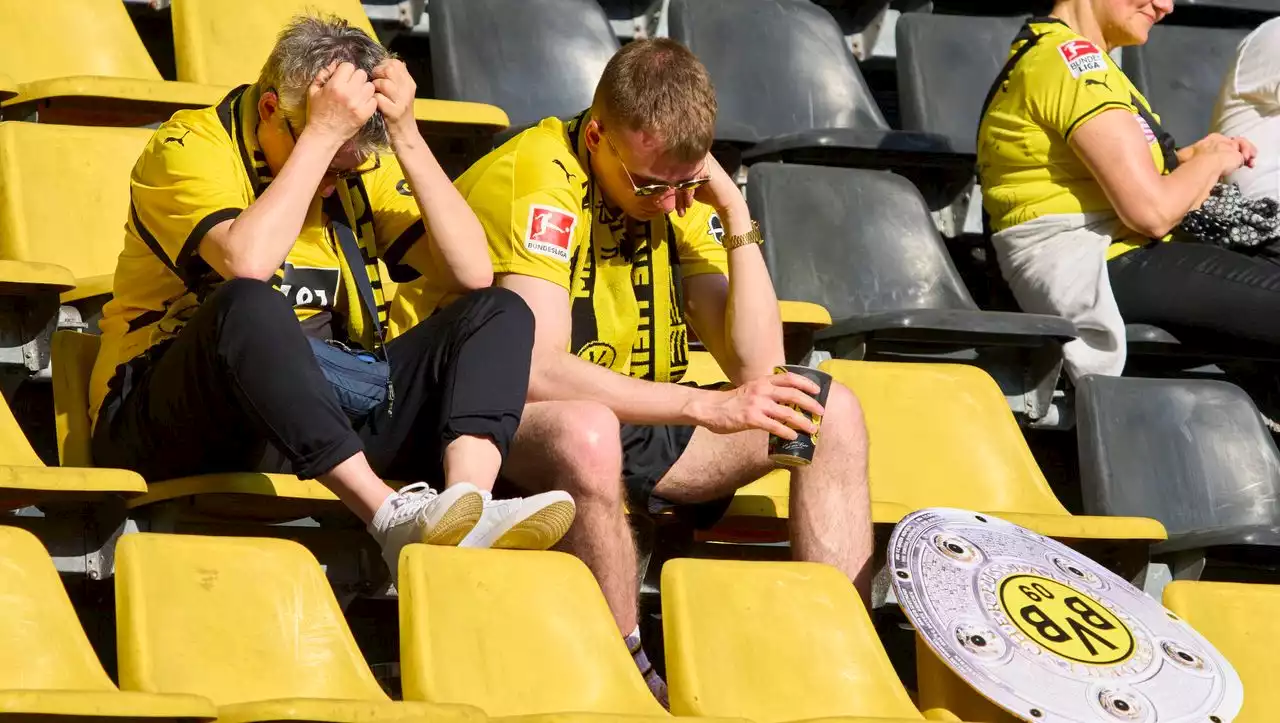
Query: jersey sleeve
(397, 222)
(1071, 82)
(187, 180)
(699, 242)
(531, 211)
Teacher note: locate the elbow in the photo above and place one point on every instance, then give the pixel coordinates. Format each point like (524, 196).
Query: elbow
(475, 279)
(248, 269)
(1150, 220)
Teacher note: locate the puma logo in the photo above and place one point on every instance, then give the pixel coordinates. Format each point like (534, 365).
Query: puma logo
(567, 175)
(178, 139)
(1091, 81)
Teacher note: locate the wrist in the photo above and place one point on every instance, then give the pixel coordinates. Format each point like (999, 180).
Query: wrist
(694, 411)
(405, 133)
(736, 218)
(320, 139)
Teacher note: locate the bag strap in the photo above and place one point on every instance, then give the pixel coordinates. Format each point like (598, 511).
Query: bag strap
(1026, 33)
(355, 262)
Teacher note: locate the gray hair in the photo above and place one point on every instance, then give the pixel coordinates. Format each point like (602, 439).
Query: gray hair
(306, 46)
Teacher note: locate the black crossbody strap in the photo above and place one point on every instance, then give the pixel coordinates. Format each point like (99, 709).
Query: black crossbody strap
(355, 262)
(1031, 38)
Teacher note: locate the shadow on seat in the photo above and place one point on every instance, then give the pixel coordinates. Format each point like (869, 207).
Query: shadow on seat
(48, 670)
(252, 625)
(241, 496)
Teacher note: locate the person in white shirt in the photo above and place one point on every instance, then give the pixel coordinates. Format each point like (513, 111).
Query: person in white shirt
(1249, 106)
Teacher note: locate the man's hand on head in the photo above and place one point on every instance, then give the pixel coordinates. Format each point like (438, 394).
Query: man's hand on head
(720, 193)
(341, 101)
(395, 90)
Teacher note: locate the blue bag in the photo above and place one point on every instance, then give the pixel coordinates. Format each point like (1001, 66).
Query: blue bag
(360, 379)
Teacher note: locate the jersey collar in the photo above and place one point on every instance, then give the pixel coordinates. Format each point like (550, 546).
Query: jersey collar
(578, 142)
(238, 113)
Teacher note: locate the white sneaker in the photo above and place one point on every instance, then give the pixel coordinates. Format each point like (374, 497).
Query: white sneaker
(522, 523)
(418, 513)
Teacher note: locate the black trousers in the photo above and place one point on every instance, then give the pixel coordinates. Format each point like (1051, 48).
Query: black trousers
(239, 390)
(1200, 289)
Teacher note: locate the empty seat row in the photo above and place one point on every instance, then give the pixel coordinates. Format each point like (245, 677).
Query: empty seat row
(247, 629)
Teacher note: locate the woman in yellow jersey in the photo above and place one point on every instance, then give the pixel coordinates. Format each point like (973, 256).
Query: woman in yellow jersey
(1083, 188)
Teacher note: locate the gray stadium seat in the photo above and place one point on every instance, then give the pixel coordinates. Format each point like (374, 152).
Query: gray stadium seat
(1267, 7)
(1180, 71)
(532, 58)
(1191, 453)
(789, 88)
(862, 244)
(946, 64)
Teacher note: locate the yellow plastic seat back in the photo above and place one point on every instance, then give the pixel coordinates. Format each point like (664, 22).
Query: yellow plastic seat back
(42, 646)
(226, 42)
(1241, 622)
(72, 355)
(944, 437)
(512, 632)
(773, 641)
(236, 620)
(64, 195)
(71, 37)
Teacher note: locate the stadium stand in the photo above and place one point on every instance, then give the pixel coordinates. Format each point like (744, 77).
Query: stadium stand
(225, 42)
(42, 166)
(1193, 454)
(1179, 71)
(553, 52)
(48, 670)
(81, 61)
(817, 657)
(515, 632)
(250, 624)
(977, 458)
(798, 96)
(1241, 622)
(862, 244)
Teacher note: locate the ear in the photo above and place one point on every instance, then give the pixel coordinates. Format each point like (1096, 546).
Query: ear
(268, 104)
(592, 132)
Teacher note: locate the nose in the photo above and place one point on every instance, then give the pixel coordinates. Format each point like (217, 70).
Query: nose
(668, 202)
(1163, 8)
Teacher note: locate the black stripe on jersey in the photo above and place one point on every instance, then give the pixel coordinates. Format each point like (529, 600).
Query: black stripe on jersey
(145, 319)
(1089, 113)
(238, 134)
(224, 111)
(400, 273)
(192, 244)
(150, 240)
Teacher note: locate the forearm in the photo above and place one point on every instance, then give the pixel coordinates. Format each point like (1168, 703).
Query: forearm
(456, 238)
(1157, 209)
(259, 239)
(560, 376)
(753, 325)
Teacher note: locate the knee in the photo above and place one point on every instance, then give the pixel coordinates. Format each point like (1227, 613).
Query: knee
(249, 300)
(508, 305)
(844, 419)
(586, 439)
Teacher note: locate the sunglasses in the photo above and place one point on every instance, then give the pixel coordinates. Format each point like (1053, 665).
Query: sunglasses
(654, 189)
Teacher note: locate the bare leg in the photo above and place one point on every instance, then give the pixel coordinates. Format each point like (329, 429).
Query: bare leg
(472, 459)
(355, 483)
(830, 507)
(575, 447)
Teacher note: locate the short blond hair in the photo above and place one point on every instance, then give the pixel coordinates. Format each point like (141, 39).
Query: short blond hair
(659, 86)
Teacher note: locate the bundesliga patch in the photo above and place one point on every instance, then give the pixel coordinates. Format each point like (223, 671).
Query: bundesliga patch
(1147, 133)
(1082, 56)
(550, 231)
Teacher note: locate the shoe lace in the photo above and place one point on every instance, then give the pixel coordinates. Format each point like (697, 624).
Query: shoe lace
(414, 500)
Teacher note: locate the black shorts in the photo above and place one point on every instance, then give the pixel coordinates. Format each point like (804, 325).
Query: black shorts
(648, 453)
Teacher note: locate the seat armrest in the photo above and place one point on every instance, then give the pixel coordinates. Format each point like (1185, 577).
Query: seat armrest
(954, 326)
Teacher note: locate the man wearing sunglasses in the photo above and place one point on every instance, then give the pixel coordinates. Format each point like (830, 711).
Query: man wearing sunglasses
(259, 238)
(623, 234)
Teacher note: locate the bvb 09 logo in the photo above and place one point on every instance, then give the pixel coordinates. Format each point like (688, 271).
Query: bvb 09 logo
(1065, 621)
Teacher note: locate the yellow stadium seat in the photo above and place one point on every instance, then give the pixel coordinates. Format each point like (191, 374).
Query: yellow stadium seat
(943, 436)
(48, 670)
(225, 42)
(774, 641)
(252, 625)
(943, 695)
(804, 313)
(1241, 622)
(248, 495)
(81, 61)
(8, 88)
(42, 167)
(514, 633)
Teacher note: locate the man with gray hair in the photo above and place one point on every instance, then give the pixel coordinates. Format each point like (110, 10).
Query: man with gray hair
(246, 328)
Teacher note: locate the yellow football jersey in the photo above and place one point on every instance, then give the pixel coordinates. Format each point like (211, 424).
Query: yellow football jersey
(1026, 167)
(545, 218)
(205, 166)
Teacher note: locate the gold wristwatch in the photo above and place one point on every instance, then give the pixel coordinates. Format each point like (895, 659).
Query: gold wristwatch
(751, 237)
